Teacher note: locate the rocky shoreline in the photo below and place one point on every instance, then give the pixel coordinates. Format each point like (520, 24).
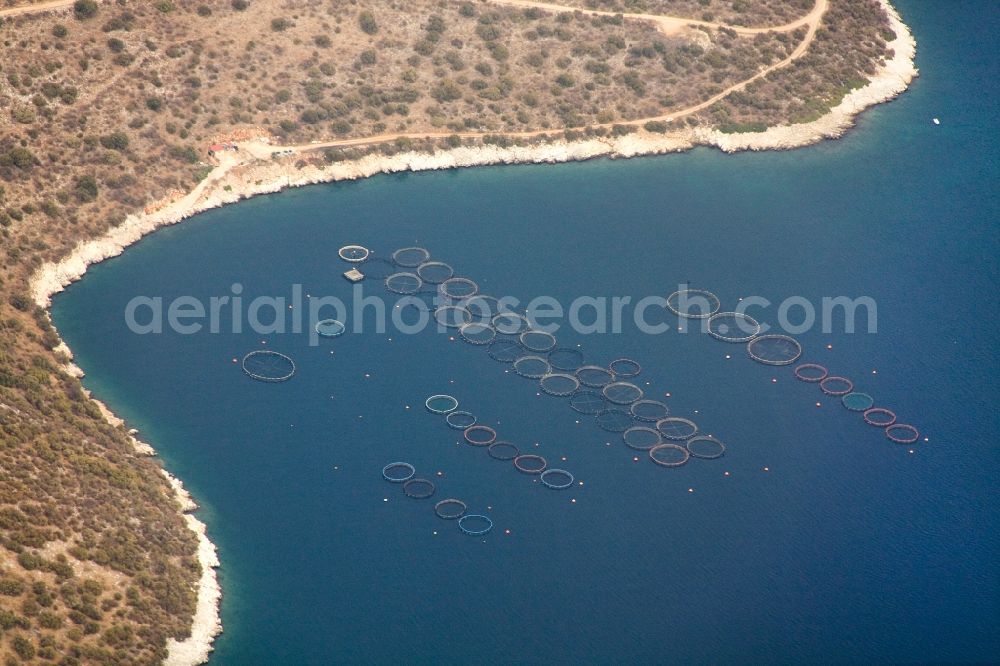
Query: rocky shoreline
(232, 181)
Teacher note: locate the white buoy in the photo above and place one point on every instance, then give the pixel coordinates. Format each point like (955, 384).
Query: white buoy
(937, 122)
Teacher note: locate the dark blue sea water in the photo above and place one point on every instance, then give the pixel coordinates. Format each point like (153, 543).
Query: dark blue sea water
(848, 549)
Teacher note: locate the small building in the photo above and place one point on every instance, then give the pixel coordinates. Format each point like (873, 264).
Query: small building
(354, 275)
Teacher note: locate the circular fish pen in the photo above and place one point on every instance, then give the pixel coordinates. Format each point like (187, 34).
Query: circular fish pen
(836, 386)
(450, 509)
(556, 479)
(706, 447)
(398, 472)
(330, 328)
(435, 272)
(811, 372)
(902, 433)
(693, 303)
(676, 428)
(538, 342)
(623, 368)
(354, 254)
(641, 438)
(505, 349)
(441, 404)
(452, 316)
(733, 327)
(529, 463)
(588, 402)
(566, 359)
(482, 307)
(410, 257)
(460, 420)
(477, 333)
(418, 488)
(614, 420)
(669, 455)
(558, 384)
(774, 349)
(594, 376)
(475, 524)
(480, 435)
(503, 451)
(268, 366)
(880, 417)
(532, 367)
(510, 323)
(405, 284)
(622, 393)
(458, 288)
(649, 411)
(857, 402)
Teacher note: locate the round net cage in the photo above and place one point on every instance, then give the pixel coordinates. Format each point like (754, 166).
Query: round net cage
(503, 451)
(418, 488)
(510, 323)
(566, 359)
(588, 402)
(669, 455)
(377, 268)
(858, 402)
(693, 303)
(557, 479)
(532, 367)
(458, 288)
(450, 509)
(398, 472)
(529, 463)
(505, 349)
(811, 372)
(705, 446)
(441, 404)
(475, 524)
(410, 257)
(330, 328)
(614, 420)
(902, 433)
(880, 417)
(733, 327)
(836, 386)
(435, 272)
(460, 420)
(539, 342)
(675, 428)
(268, 366)
(452, 316)
(558, 384)
(482, 307)
(480, 435)
(649, 411)
(623, 368)
(477, 333)
(774, 349)
(622, 393)
(641, 438)
(353, 253)
(594, 376)
(403, 283)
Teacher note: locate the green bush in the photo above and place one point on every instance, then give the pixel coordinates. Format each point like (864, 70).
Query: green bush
(281, 24)
(115, 141)
(85, 9)
(59, 30)
(367, 22)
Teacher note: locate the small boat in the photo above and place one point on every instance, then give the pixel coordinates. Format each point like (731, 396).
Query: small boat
(936, 121)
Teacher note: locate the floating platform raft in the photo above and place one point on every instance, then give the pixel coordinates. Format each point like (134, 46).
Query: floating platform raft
(354, 275)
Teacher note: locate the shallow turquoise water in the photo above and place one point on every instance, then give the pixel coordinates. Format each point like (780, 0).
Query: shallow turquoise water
(848, 548)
